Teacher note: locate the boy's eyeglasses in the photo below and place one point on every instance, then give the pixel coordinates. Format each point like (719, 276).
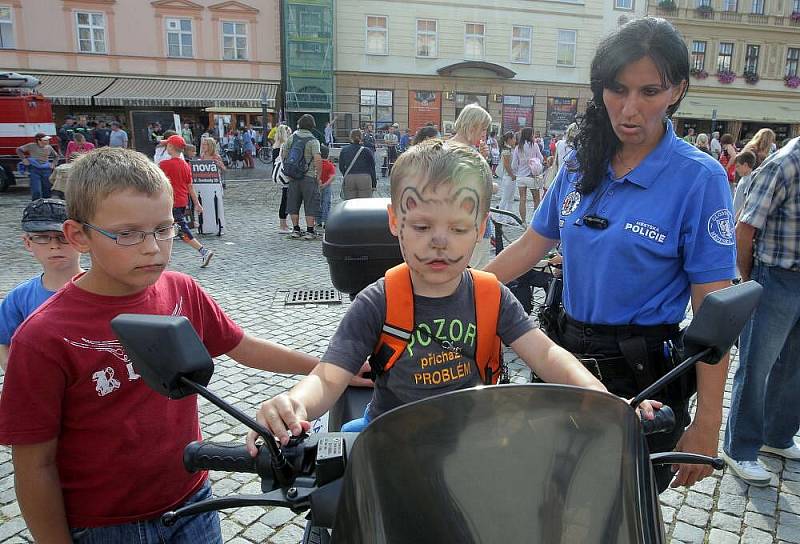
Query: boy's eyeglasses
(43, 239)
(133, 237)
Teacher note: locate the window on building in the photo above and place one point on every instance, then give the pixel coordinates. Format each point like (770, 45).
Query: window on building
(758, 7)
(179, 37)
(703, 3)
(725, 56)
(698, 55)
(795, 6)
(377, 35)
(623, 4)
(427, 38)
(521, 37)
(474, 34)
(376, 108)
(234, 40)
(91, 32)
(793, 62)
(6, 28)
(565, 53)
(309, 22)
(730, 5)
(751, 58)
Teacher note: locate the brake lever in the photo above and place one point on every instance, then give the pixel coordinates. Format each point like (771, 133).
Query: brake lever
(277, 497)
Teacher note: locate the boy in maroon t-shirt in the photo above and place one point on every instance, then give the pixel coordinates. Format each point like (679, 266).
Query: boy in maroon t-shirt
(97, 454)
(179, 174)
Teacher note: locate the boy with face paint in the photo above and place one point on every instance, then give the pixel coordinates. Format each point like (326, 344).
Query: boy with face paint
(439, 209)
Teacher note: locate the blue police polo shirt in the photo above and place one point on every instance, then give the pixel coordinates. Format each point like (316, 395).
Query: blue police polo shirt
(670, 225)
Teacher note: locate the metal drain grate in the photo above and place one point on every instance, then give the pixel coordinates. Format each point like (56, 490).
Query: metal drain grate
(313, 296)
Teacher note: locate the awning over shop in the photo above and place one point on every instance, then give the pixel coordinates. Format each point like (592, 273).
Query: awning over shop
(71, 90)
(740, 109)
(223, 109)
(187, 93)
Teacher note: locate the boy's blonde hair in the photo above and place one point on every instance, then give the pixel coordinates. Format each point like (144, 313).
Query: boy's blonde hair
(434, 162)
(471, 117)
(96, 175)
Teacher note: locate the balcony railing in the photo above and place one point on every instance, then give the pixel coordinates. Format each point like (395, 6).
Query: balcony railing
(695, 14)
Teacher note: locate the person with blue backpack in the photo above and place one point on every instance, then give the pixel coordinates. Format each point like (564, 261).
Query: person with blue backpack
(302, 166)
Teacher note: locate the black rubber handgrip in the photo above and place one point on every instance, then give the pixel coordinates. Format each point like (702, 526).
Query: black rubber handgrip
(226, 457)
(663, 422)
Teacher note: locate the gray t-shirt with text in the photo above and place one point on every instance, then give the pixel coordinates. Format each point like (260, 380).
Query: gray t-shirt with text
(426, 368)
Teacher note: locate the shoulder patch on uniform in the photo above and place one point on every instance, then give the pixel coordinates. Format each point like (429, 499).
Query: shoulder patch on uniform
(571, 203)
(720, 227)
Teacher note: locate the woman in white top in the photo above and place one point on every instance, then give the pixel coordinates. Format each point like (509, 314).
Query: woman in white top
(525, 156)
(508, 180)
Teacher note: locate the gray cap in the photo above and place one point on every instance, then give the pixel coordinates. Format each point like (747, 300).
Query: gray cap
(44, 214)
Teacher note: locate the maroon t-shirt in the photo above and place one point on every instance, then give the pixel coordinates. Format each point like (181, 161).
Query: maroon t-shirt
(180, 176)
(120, 444)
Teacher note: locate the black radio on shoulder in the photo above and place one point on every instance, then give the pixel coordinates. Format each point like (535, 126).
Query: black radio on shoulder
(595, 222)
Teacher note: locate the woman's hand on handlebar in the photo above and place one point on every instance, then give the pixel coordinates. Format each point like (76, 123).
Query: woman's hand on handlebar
(284, 417)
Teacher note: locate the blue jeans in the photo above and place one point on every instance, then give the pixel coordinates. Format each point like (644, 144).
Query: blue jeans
(40, 182)
(325, 204)
(199, 529)
(764, 402)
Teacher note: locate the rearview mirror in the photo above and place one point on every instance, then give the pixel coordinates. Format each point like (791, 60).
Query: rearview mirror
(163, 349)
(720, 319)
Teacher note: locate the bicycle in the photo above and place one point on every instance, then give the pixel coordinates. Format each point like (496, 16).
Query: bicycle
(264, 153)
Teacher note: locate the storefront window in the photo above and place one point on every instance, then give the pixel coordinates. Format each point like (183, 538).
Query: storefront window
(377, 108)
(517, 112)
(462, 99)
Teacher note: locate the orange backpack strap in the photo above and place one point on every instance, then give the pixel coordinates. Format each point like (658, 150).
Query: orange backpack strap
(486, 291)
(399, 323)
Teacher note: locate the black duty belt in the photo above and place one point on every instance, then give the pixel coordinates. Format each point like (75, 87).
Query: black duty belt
(623, 331)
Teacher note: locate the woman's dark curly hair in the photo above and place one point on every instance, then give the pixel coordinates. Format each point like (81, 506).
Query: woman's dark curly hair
(648, 37)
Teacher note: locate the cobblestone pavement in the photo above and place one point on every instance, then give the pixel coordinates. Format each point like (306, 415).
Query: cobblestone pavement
(250, 276)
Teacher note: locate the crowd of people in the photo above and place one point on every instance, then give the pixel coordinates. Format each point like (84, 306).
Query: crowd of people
(644, 221)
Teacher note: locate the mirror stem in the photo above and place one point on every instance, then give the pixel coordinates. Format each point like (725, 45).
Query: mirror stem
(670, 376)
(283, 472)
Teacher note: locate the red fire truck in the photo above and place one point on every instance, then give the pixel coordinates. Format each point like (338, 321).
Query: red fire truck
(23, 113)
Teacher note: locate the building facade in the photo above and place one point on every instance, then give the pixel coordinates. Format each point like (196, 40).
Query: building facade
(745, 59)
(141, 61)
(414, 62)
(307, 32)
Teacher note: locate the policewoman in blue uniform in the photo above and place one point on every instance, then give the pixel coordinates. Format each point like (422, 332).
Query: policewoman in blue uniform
(645, 223)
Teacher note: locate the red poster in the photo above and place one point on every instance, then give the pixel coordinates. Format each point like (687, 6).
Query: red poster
(424, 107)
(517, 112)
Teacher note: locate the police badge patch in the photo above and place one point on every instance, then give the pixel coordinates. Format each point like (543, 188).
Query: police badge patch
(571, 203)
(720, 227)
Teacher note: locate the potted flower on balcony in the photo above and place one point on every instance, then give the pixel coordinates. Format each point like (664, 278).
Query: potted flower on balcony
(750, 76)
(792, 82)
(699, 73)
(795, 16)
(705, 10)
(726, 76)
(667, 5)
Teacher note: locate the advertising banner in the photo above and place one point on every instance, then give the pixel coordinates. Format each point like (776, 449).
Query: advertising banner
(207, 180)
(424, 107)
(561, 113)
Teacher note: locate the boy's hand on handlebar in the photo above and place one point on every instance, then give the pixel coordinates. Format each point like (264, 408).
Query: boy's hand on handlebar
(648, 408)
(284, 417)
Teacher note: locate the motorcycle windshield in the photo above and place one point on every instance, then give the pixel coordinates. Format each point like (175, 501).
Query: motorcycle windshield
(519, 463)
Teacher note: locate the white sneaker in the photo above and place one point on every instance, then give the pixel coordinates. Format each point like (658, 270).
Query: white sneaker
(206, 257)
(752, 472)
(792, 452)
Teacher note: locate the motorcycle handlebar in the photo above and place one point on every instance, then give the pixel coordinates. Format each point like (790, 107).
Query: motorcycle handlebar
(663, 422)
(226, 457)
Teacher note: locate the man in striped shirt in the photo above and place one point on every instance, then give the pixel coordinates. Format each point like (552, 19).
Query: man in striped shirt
(764, 415)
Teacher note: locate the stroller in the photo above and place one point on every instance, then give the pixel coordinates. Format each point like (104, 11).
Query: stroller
(232, 153)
